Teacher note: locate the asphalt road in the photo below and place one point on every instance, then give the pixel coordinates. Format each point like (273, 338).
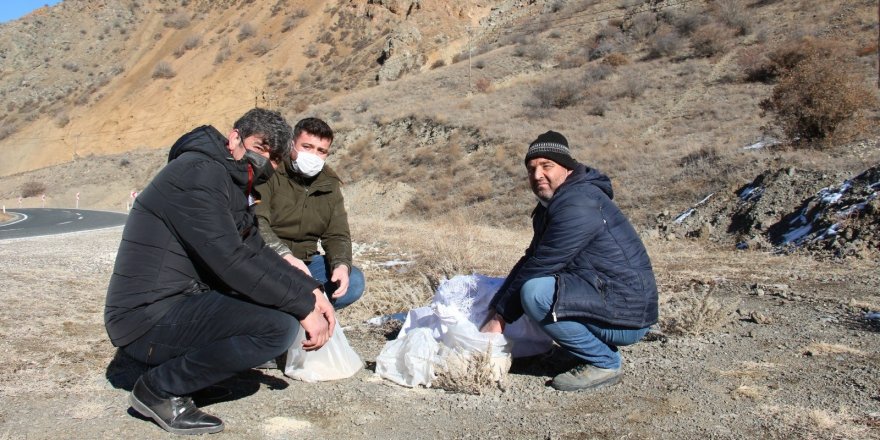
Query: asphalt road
(39, 221)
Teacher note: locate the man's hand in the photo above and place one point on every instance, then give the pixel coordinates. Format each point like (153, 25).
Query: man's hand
(319, 324)
(297, 263)
(340, 277)
(495, 324)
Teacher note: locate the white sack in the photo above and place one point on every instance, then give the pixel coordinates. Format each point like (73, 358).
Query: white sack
(457, 310)
(335, 360)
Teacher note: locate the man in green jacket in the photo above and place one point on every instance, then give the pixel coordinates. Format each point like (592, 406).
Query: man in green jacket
(302, 204)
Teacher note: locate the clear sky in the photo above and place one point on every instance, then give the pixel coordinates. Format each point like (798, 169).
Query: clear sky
(13, 9)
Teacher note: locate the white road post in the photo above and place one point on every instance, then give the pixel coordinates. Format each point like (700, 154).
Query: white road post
(77, 200)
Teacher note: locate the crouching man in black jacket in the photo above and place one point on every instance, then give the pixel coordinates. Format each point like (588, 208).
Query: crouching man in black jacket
(586, 277)
(195, 292)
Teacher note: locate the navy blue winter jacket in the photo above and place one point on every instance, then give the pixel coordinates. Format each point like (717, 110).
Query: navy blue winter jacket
(603, 273)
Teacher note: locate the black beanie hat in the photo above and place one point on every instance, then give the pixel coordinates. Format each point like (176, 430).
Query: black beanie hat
(552, 145)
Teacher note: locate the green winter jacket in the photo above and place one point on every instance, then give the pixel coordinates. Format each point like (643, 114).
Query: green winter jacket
(295, 212)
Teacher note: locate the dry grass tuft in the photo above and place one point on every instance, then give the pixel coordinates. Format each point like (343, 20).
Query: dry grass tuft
(751, 392)
(814, 423)
(750, 370)
(468, 373)
(697, 313)
(824, 348)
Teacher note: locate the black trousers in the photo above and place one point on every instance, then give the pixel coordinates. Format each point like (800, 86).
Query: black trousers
(209, 337)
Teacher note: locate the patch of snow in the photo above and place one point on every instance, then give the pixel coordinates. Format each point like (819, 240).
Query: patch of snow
(830, 232)
(764, 142)
(830, 195)
(379, 320)
(705, 199)
(681, 217)
(751, 193)
(796, 233)
(393, 263)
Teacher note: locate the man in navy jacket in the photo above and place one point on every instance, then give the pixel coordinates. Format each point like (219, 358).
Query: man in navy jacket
(586, 277)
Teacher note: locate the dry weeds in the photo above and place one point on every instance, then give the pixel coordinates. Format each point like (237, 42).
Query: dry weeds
(825, 348)
(815, 423)
(695, 313)
(468, 373)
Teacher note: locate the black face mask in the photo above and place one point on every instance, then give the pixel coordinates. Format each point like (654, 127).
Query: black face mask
(261, 166)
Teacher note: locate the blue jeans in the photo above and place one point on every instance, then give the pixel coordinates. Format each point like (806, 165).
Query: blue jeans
(595, 344)
(356, 283)
(208, 337)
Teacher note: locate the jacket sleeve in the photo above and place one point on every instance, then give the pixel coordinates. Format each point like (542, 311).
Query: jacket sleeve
(197, 212)
(336, 239)
(571, 225)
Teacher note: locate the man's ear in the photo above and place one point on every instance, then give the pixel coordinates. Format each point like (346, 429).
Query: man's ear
(232, 140)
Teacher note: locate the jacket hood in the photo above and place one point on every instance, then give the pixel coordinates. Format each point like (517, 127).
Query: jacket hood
(208, 141)
(593, 177)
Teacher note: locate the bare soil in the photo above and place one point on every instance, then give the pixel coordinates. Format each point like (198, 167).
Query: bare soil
(750, 345)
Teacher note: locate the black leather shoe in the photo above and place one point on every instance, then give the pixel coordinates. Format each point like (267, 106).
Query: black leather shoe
(177, 415)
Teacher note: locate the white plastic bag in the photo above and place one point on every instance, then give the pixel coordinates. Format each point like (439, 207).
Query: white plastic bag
(448, 330)
(335, 360)
(409, 360)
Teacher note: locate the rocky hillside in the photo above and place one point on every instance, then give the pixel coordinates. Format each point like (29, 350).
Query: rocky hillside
(438, 99)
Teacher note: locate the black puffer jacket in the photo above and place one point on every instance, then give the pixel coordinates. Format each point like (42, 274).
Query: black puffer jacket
(191, 230)
(602, 269)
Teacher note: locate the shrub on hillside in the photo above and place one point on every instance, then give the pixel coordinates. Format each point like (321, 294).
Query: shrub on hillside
(616, 59)
(632, 85)
(733, 14)
(311, 51)
(684, 21)
(362, 106)
(261, 47)
(483, 85)
(597, 72)
(177, 20)
(32, 188)
(438, 63)
(222, 54)
(755, 65)
(246, 31)
(811, 101)
(711, 39)
(289, 23)
(664, 43)
(192, 42)
(7, 130)
(557, 93)
(790, 53)
(609, 39)
(61, 119)
(643, 25)
(163, 70)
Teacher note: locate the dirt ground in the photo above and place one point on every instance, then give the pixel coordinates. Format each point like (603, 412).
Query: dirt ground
(750, 345)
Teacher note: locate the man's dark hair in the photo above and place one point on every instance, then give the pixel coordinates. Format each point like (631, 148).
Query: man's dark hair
(276, 132)
(314, 127)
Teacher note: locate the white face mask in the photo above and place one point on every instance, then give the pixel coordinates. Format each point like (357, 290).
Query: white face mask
(307, 164)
